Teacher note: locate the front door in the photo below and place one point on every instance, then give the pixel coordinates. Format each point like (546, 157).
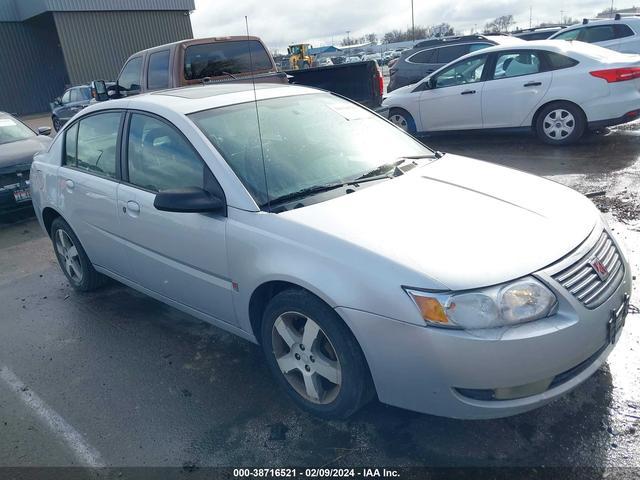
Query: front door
(454, 99)
(182, 256)
(514, 89)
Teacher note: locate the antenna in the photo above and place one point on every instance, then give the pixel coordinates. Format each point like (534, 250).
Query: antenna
(255, 102)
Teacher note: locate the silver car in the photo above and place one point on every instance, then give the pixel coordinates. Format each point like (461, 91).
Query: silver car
(366, 266)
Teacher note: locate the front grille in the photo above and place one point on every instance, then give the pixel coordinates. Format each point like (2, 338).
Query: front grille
(13, 179)
(583, 282)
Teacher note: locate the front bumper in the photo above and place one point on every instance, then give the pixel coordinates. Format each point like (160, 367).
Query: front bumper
(431, 370)
(11, 182)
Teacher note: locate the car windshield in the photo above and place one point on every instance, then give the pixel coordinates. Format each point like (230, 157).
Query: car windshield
(11, 130)
(308, 141)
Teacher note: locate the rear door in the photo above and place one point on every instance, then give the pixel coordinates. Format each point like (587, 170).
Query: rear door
(516, 84)
(182, 256)
(88, 187)
(455, 100)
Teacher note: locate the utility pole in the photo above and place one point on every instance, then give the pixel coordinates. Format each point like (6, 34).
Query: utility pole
(561, 17)
(413, 25)
(530, 16)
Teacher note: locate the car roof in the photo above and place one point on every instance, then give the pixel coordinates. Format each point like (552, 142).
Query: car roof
(186, 100)
(603, 21)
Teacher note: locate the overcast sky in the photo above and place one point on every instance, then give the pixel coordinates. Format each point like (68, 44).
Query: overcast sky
(281, 22)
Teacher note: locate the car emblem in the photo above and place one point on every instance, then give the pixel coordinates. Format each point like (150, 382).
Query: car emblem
(599, 267)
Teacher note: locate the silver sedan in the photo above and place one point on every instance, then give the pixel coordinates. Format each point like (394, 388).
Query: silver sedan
(363, 262)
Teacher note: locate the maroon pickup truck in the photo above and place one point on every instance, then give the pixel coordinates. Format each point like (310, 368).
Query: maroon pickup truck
(190, 62)
(233, 59)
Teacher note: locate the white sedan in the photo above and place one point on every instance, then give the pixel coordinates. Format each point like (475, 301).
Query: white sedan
(559, 89)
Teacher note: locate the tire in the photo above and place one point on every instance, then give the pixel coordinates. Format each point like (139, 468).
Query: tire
(402, 119)
(75, 264)
(560, 123)
(57, 124)
(334, 352)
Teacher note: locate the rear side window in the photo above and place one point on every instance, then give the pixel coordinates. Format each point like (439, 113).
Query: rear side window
(425, 56)
(219, 59)
(160, 158)
(129, 80)
(623, 30)
(557, 61)
(96, 139)
(516, 64)
(450, 53)
(84, 93)
(158, 71)
(600, 33)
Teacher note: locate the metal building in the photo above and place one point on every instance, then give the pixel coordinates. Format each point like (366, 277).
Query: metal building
(47, 45)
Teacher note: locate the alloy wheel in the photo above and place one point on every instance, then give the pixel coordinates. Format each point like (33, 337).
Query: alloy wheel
(68, 254)
(306, 357)
(400, 121)
(559, 124)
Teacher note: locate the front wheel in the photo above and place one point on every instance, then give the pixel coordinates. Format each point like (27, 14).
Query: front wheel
(403, 119)
(314, 356)
(560, 123)
(57, 124)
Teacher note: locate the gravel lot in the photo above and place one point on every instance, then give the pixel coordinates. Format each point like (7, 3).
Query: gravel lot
(146, 385)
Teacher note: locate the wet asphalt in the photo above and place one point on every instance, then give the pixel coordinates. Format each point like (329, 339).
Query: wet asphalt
(146, 385)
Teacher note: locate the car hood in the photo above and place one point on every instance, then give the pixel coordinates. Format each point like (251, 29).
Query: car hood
(461, 222)
(22, 151)
(401, 90)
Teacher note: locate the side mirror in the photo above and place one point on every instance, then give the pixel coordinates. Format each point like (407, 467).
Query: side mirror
(189, 200)
(46, 131)
(99, 90)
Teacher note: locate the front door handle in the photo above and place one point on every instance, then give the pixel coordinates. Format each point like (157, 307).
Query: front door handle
(468, 92)
(70, 184)
(532, 84)
(133, 207)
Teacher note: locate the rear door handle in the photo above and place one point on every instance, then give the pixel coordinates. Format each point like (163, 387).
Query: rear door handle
(133, 206)
(468, 92)
(70, 184)
(532, 84)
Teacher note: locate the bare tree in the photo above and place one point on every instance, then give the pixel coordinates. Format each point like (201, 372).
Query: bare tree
(500, 24)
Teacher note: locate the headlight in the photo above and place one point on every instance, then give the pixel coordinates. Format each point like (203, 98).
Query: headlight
(499, 306)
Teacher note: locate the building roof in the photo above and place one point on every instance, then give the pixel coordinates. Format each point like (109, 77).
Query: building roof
(327, 49)
(20, 10)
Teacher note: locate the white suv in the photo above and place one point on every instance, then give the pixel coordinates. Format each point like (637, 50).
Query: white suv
(620, 33)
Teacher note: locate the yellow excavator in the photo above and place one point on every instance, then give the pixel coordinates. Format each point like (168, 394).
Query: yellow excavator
(299, 57)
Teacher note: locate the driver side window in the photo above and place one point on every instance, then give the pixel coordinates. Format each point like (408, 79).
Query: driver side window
(160, 158)
(461, 73)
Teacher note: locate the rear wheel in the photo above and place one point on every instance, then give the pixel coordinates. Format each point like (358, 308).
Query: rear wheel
(402, 119)
(560, 123)
(314, 356)
(72, 258)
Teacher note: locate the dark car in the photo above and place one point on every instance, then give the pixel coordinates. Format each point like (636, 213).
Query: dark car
(18, 144)
(71, 102)
(429, 55)
(538, 33)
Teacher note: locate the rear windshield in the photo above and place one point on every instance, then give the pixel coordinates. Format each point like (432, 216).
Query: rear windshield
(221, 58)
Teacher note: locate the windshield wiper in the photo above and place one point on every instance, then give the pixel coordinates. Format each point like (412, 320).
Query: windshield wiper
(305, 192)
(388, 170)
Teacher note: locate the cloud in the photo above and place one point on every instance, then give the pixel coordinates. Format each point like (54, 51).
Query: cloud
(282, 22)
